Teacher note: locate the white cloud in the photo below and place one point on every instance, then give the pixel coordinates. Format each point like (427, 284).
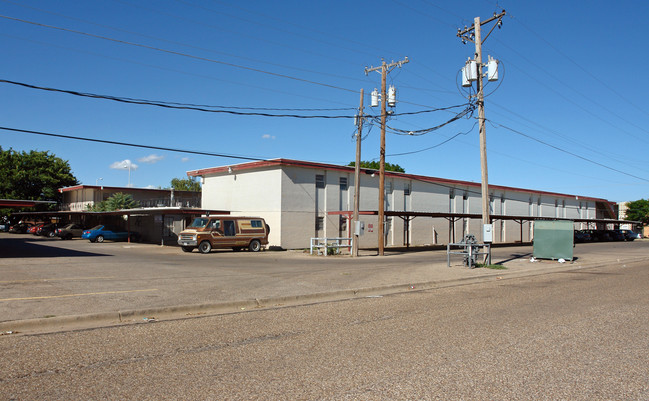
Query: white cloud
(268, 136)
(124, 164)
(150, 159)
(185, 159)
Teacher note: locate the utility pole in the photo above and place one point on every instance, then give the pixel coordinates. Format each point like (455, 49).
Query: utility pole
(357, 177)
(476, 37)
(384, 68)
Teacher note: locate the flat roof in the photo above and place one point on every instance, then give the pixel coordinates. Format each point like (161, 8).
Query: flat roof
(280, 162)
(22, 203)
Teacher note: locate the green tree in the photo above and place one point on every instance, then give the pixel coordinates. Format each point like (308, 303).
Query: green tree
(186, 184)
(33, 175)
(638, 211)
(374, 165)
(118, 201)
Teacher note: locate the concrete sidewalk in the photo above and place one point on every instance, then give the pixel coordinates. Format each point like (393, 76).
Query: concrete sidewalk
(321, 279)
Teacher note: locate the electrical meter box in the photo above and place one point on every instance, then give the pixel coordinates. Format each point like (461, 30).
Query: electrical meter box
(553, 239)
(487, 233)
(359, 228)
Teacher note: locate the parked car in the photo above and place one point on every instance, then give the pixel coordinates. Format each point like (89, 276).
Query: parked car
(630, 235)
(20, 228)
(615, 235)
(47, 230)
(69, 231)
(236, 232)
(32, 229)
(582, 236)
(102, 232)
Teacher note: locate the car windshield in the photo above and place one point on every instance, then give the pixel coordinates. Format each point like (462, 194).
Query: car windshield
(96, 228)
(199, 222)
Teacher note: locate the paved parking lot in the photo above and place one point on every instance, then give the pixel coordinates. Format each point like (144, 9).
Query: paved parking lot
(46, 278)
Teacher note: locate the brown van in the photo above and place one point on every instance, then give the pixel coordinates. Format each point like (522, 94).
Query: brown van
(214, 232)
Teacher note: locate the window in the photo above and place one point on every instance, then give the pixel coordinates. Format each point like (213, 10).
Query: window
(343, 183)
(256, 223)
(319, 223)
(319, 181)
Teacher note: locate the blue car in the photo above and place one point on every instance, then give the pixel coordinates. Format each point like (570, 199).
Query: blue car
(101, 232)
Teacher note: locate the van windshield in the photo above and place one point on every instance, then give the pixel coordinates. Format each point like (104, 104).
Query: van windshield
(199, 222)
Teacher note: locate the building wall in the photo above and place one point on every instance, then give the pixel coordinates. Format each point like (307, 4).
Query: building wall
(252, 193)
(296, 201)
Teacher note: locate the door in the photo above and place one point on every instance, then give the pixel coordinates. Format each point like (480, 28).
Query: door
(229, 233)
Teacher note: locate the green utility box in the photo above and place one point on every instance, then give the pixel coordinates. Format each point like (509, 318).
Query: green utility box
(553, 239)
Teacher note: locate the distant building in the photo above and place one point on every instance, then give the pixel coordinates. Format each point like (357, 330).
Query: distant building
(81, 197)
(162, 213)
(301, 199)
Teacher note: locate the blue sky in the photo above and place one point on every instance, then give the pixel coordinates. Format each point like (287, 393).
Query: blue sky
(571, 92)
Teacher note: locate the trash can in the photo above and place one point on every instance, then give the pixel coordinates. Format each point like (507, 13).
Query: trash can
(553, 239)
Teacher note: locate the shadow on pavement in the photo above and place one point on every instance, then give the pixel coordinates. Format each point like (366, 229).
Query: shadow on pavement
(21, 248)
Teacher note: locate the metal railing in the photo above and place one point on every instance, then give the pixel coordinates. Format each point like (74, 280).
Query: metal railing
(322, 245)
(470, 251)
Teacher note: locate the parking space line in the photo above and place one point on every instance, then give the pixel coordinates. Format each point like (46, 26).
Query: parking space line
(75, 295)
(52, 279)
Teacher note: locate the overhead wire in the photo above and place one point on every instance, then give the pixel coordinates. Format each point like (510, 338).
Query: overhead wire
(167, 51)
(78, 138)
(435, 146)
(566, 151)
(221, 109)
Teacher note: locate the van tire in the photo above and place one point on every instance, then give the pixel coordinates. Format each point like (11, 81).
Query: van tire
(205, 247)
(254, 246)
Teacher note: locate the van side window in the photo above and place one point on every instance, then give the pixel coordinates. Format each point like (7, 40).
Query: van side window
(256, 223)
(228, 226)
(214, 225)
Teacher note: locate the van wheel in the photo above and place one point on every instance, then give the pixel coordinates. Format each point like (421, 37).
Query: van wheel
(188, 248)
(254, 246)
(205, 247)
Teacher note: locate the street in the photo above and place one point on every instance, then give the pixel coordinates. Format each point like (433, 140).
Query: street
(578, 335)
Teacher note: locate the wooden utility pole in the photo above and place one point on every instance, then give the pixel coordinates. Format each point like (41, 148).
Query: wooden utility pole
(384, 68)
(476, 37)
(486, 219)
(357, 177)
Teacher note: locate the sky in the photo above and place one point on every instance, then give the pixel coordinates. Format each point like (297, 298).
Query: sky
(568, 113)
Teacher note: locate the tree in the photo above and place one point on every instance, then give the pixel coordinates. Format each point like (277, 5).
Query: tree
(638, 211)
(374, 165)
(35, 175)
(186, 184)
(118, 201)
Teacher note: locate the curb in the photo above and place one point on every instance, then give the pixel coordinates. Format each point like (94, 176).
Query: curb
(135, 316)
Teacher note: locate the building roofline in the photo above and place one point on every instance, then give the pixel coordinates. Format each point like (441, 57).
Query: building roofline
(433, 180)
(124, 189)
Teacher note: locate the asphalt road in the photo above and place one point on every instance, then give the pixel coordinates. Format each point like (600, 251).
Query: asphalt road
(572, 335)
(44, 278)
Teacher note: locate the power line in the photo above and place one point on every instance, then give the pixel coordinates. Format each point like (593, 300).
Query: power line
(176, 53)
(578, 65)
(435, 146)
(463, 113)
(78, 138)
(567, 152)
(186, 106)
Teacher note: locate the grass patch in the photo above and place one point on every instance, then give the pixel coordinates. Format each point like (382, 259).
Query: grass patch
(493, 267)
